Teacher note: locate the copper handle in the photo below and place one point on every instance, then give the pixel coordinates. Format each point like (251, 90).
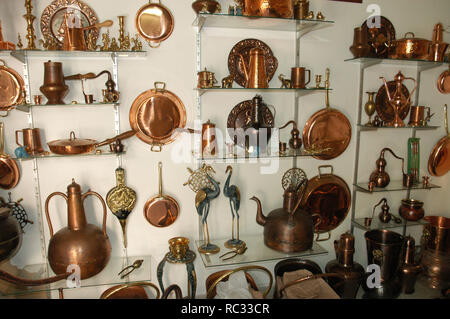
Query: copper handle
(323, 239)
(379, 203)
(88, 193)
(6, 114)
(176, 289)
(49, 222)
(72, 136)
(2, 138)
(160, 178)
(410, 33)
(446, 120)
(122, 136)
(393, 154)
(156, 145)
(309, 277)
(136, 284)
(294, 124)
(151, 45)
(325, 166)
(415, 87)
(17, 138)
(309, 76)
(160, 83)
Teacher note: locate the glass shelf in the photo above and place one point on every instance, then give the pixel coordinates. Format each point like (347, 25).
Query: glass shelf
(420, 64)
(108, 276)
(22, 54)
(374, 128)
(52, 155)
(257, 252)
(377, 224)
(300, 92)
(27, 108)
(393, 186)
(214, 20)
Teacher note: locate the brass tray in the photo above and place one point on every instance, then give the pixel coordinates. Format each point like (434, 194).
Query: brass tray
(379, 38)
(52, 19)
(384, 108)
(243, 48)
(11, 88)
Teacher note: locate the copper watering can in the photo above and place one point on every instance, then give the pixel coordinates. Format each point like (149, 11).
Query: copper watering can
(255, 73)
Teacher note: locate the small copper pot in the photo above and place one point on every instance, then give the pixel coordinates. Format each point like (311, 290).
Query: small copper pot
(411, 210)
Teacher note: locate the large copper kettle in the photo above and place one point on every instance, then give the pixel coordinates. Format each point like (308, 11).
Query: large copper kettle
(79, 243)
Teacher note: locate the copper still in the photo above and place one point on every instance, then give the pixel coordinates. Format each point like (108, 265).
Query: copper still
(379, 176)
(255, 72)
(269, 8)
(54, 88)
(346, 286)
(79, 243)
(295, 142)
(409, 269)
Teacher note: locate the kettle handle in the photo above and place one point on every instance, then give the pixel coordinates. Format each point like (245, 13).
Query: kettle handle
(88, 193)
(49, 222)
(415, 87)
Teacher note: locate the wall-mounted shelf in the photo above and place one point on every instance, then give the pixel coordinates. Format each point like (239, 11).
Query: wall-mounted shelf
(392, 187)
(421, 65)
(374, 128)
(26, 108)
(51, 155)
(299, 92)
(22, 55)
(377, 224)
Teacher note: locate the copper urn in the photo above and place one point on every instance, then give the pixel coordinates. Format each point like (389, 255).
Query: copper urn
(54, 88)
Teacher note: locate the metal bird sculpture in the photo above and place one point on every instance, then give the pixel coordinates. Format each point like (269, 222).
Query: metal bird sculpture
(234, 195)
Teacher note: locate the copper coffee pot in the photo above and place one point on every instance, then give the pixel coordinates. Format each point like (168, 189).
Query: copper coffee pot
(255, 73)
(79, 243)
(379, 176)
(54, 88)
(295, 142)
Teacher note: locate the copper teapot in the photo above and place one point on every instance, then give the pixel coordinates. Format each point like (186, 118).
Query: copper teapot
(79, 243)
(255, 73)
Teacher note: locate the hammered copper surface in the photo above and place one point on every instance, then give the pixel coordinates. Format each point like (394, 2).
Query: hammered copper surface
(410, 48)
(9, 170)
(269, 8)
(384, 108)
(154, 22)
(443, 83)
(243, 48)
(11, 87)
(379, 38)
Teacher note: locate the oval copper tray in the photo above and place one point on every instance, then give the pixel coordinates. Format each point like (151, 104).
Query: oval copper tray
(379, 37)
(238, 119)
(243, 48)
(156, 114)
(52, 19)
(11, 87)
(154, 22)
(384, 108)
(439, 160)
(443, 83)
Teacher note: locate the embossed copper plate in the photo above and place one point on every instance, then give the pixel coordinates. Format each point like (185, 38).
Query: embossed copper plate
(52, 18)
(11, 87)
(443, 83)
(379, 38)
(243, 48)
(238, 119)
(384, 108)
(156, 114)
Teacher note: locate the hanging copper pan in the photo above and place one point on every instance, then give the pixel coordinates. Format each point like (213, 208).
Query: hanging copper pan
(156, 115)
(9, 170)
(327, 131)
(11, 88)
(439, 161)
(443, 83)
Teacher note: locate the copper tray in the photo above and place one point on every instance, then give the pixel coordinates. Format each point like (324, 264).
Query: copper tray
(384, 108)
(379, 38)
(243, 48)
(156, 114)
(52, 19)
(443, 83)
(439, 160)
(238, 118)
(11, 88)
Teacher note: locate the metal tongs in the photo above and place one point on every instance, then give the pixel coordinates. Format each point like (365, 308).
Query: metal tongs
(240, 250)
(138, 263)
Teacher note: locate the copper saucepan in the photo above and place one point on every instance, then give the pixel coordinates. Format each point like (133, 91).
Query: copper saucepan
(9, 170)
(439, 161)
(73, 145)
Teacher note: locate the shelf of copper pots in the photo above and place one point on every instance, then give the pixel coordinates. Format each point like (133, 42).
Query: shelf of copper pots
(363, 127)
(108, 276)
(217, 20)
(361, 223)
(21, 55)
(97, 152)
(420, 64)
(256, 252)
(300, 92)
(393, 186)
(27, 107)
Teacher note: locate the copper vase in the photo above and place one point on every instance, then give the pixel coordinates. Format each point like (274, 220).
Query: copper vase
(360, 47)
(54, 88)
(209, 143)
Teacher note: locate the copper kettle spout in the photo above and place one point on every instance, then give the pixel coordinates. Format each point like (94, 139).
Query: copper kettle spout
(260, 218)
(244, 68)
(386, 87)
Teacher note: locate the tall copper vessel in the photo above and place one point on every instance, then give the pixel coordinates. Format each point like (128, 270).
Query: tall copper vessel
(409, 269)
(54, 88)
(79, 243)
(360, 47)
(269, 8)
(255, 72)
(436, 233)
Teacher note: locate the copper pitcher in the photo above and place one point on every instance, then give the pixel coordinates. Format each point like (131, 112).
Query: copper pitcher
(209, 143)
(79, 243)
(255, 73)
(54, 88)
(31, 140)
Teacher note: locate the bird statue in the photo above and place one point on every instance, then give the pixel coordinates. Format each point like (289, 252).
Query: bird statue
(233, 193)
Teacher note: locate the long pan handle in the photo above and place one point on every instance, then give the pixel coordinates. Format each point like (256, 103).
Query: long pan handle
(446, 119)
(160, 178)
(122, 136)
(2, 138)
(327, 87)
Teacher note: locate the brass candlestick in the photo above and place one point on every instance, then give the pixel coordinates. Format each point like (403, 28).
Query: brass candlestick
(31, 37)
(122, 33)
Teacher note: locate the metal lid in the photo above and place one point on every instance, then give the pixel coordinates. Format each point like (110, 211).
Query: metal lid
(73, 141)
(74, 187)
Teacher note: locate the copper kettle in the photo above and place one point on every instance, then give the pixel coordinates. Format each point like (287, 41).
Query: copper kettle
(79, 243)
(255, 73)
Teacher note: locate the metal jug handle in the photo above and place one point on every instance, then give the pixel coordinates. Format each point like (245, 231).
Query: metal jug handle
(6, 114)
(49, 222)
(325, 166)
(17, 137)
(154, 46)
(415, 87)
(88, 193)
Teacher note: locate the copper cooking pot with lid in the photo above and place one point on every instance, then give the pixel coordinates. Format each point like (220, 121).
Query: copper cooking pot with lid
(410, 48)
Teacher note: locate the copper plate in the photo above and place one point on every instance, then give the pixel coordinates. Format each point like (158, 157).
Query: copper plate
(239, 115)
(11, 87)
(243, 48)
(156, 114)
(52, 19)
(154, 22)
(380, 37)
(443, 83)
(384, 108)
(439, 160)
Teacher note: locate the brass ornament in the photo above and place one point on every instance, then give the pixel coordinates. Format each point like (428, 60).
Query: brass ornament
(50, 44)
(114, 45)
(92, 43)
(19, 42)
(137, 44)
(227, 82)
(29, 17)
(106, 41)
(198, 180)
(285, 83)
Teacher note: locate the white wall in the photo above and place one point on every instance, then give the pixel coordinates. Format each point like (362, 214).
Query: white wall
(174, 63)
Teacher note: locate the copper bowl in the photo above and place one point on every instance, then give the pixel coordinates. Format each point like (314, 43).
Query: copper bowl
(411, 210)
(210, 5)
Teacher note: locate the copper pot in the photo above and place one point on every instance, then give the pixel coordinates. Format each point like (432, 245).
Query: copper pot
(10, 234)
(54, 88)
(209, 6)
(410, 48)
(360, 47)
(411, 210)
(436, 265)
(79, 243)
(269, 8)
(436, 233)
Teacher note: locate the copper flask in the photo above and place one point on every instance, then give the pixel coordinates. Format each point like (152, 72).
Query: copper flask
(209, 144)
(255, 71)
(54, 88)
(79, 243)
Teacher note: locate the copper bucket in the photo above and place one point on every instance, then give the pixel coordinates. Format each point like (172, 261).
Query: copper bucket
(31, 140)
(436, 234)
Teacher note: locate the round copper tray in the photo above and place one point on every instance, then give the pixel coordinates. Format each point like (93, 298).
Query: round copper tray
(238, 117)
(243, 48)
(156, 114)
(439, 160)
(384, 108)
(11, 87)
(379, 37)
(52, 18)
(443, 83)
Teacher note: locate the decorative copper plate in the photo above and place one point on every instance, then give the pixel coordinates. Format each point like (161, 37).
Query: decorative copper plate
(243, 48)
(11, 87)
(379, 38)
(156, 114)
(439, 161)
(443, 83)
(52, 18)
(384, 108)
(238, 119)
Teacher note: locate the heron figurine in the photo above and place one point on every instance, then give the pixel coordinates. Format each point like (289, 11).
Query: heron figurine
(234, 195)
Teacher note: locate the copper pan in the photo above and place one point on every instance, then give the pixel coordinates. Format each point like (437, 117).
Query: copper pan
(74, 146)
(11, 88)
(134, 290)
(443, 83)
(439, 161)
(327, 131)
(9, 170)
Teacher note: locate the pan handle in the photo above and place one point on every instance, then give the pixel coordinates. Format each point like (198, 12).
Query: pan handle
(88, 193)
(153, 46)
(156, 145)
(446, 119)
(323, 239)
(6, 114)
(49, 222)
(160, 178)
(160, 83)
(122, 136)
(325, 166)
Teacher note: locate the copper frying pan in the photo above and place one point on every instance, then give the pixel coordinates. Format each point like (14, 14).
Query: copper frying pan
(439, 161)
(161, 210)
(9, 170)
(11, 88)
(327, 131)
(443, 83)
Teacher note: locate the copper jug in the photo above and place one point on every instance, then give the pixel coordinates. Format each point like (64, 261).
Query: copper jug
(409, 269)
(79, 243)
(255, 73)
(31, 140)
(209, 143)
(54, 88)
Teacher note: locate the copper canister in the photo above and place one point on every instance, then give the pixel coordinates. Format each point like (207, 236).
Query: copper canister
(209, 144)
(206, 79)
(31, 140)
(269, 8)
(298, 77)
(54, 88)
(417, 116)
(436, 233)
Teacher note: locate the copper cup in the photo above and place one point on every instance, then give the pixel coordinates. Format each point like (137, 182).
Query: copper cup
(31, 140)
(417, 116)
(282, 147)
(206, 79)
(298, 77)
(301, 9)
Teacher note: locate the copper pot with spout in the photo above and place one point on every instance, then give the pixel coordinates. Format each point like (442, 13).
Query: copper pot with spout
(79, 243)
(54, 88)
(255, 72)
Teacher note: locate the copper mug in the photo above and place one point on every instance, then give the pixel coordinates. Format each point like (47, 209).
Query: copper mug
(31, 140)
(206, 79)
(298, 77)
(54, 88)
(417, 116)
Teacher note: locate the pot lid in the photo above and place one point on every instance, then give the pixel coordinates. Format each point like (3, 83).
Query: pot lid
(73, 187)
(73, 141)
